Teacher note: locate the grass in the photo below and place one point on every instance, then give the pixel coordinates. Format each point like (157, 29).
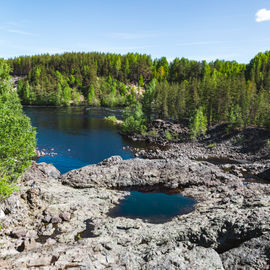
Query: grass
(168, 135)
(238, 139)
(211, 145)
(111, 118)
(6, 188)
(268, 145)
(153, 133)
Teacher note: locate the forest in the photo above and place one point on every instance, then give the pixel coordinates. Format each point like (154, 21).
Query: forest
(222, 91)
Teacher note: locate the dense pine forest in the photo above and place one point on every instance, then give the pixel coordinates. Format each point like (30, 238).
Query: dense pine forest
(219, 91)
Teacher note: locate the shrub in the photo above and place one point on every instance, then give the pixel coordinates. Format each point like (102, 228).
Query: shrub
(112, 119)
(6, 188)
(134, 121)
(268, 145)
(238, 139)
(153, 133)
(211, 145)
(168, 135)
(198, 125)
(17, 136)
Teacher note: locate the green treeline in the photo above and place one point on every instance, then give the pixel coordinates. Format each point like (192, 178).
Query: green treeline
(81, 78)
(219, 91)
(17, 137)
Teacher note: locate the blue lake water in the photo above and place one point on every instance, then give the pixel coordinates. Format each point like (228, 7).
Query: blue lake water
(79, 136)
(153, 207)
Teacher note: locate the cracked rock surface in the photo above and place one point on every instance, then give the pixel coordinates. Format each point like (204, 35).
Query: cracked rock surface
(61, 222)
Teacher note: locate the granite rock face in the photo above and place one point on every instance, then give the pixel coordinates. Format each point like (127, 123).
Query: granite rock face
(253, 254)
(171, 173)
(48, 225)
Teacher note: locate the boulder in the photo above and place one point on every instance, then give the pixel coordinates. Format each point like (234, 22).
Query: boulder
(118, 173)
(265, 175)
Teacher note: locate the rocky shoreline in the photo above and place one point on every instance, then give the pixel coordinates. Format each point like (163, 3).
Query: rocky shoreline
(61, 221)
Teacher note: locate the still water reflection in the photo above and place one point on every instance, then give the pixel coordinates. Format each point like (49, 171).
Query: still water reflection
(79, 136)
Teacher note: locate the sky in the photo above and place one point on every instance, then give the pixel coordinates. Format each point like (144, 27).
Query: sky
(195, 29)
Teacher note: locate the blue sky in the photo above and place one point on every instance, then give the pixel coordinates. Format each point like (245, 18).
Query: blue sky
(196, 29)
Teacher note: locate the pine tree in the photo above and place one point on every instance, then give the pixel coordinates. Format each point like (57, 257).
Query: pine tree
(198, 125)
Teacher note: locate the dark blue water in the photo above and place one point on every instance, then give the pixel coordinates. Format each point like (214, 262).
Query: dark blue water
(79, 136)
(153, 207)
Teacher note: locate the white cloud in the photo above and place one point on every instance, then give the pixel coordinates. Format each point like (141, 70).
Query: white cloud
(263, 15)
(130, 36)
(15, 31)
(198, 43)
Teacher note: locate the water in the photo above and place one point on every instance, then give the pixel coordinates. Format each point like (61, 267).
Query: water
(79, 136)
(153, 207)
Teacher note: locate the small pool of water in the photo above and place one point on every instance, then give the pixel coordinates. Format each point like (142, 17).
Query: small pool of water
(153, 207)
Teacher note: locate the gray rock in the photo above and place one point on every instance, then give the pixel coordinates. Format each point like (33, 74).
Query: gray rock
(142, 172)
(56, 219)
(2, 214)
(265, 174)
(49, 170)
(47, 219)
(18, 233)
(65, 216)
(252, 254)
(226, 212)
(11, 205)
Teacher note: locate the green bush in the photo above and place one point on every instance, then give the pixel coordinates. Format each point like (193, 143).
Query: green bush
(238, 139)
(168, 135)
(153, 133)
(211, 145)
(134, 121)
(112, 119)
(198, 125)
(268, 145)
(6, 188)
(17, 136)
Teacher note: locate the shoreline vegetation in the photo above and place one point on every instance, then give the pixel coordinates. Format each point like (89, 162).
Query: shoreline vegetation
(17, 136)
(198, 94)
(215, 117)
(204, 93)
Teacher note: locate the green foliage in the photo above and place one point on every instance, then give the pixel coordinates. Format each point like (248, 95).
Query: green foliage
(134, 121)
(140, 83)
(175, 135)
(168, 135)
(112, 119)
(198, 125)
(6, 188)
(148, 98)
(238, 139)
(153, 133)
(229, 92)
(67, 95)
(17, 137)
(235, 119)
(77, 72)
(211, 145)
(268, 145)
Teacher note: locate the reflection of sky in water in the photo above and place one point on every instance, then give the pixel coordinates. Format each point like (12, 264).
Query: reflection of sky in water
(78, 136)
(153, 207)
